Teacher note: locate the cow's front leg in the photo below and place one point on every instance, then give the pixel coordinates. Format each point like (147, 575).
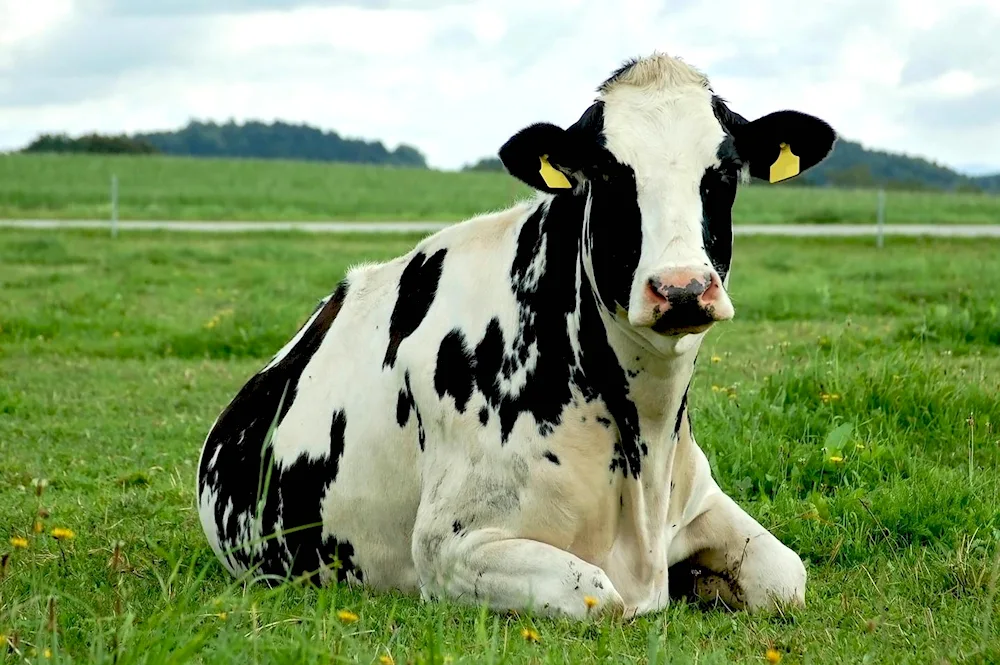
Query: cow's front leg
(487, 566)
(748, 567)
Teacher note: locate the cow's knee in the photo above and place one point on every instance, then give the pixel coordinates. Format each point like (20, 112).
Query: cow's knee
(488, 567)
(736, 560)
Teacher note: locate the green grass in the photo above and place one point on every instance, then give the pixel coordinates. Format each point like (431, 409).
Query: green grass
(115, 357)
(77, 187)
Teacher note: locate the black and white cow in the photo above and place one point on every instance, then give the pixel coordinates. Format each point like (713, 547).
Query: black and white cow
(500, 416)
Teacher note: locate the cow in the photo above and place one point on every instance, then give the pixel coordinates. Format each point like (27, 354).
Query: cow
(500, 416)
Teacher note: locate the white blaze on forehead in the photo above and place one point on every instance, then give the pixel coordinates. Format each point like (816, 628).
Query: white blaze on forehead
(660, 122)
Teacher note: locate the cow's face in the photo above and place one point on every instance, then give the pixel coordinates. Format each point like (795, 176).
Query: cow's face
(657, 159)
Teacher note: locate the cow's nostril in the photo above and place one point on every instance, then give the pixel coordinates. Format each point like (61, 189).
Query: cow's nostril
(655, 289)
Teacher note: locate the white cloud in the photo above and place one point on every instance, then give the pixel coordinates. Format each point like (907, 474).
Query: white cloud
(457, 78)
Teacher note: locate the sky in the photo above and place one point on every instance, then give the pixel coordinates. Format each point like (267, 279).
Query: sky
(456, 79)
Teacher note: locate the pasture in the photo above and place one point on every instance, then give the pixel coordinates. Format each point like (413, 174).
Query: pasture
(851, 407)
(178, 188)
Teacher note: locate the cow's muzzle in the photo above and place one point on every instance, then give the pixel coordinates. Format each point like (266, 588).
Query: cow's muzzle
(686, 301)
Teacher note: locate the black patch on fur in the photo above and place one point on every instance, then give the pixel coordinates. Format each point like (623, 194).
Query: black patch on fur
(680, 413)
(242, 462)
(718, 194)
(404, 404)
(551, 456)
(604, 421)
(416, 290)
(590, 129)
(541, 360)
(456, 527)
(484, 415)
(454, 372)
(729, 119)
(615, 234)
(545, 291)
(301, 490)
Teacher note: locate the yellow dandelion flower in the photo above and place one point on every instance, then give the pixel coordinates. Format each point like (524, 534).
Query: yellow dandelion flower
(716, 389)
(47, 653)
(836, 459)
(530, 635)
(386, 660)
(347, 616)
(60, 533)
(716, 359)
(19, 543)
(773, 656)
(859, 446)
(590, 602)
(223, 615)
(38, 528)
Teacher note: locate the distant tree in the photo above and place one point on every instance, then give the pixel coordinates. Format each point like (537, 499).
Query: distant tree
(856, 175)
(279, 140)
(90, 143)
(485, 164)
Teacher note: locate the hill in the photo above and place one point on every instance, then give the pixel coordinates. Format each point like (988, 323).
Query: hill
(278, 140)
(852, 165)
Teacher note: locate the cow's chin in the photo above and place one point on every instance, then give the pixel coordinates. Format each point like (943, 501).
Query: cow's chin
(683, 330)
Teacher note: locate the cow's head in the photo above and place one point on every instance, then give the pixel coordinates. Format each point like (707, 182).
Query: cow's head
(657, 159)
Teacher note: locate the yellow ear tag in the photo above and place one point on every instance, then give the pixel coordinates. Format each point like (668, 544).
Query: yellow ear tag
(786, 165)
(553, 178)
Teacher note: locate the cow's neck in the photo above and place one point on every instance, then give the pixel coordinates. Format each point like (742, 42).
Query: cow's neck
(643, 386)
(645, 390)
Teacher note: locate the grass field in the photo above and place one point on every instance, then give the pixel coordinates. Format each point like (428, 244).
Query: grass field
(852, 407)
(77, 187)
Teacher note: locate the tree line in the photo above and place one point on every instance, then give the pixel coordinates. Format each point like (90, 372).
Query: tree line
(278, 140)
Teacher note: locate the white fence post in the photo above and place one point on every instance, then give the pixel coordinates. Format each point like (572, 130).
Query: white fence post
(114, 206)
(880, 236)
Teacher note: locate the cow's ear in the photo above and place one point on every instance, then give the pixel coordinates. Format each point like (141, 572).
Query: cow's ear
(544, 157)
(783, 144)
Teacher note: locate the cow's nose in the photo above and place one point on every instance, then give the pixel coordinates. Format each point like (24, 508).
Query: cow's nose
(688, 300)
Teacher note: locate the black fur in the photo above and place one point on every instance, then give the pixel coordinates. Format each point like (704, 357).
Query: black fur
(417, 289)
(544, 285)
(680, 413)
(404, 404)
(759, 142)
(453, 374)
(243, 467)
